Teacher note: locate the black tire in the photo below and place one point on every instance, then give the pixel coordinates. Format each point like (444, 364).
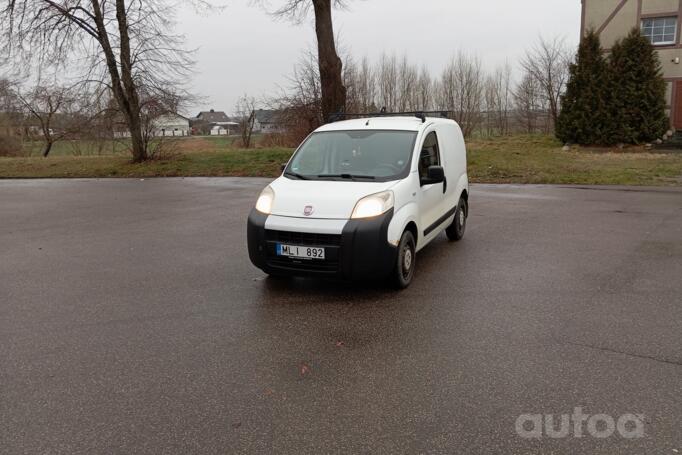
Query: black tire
(405, 262)
(455, 231)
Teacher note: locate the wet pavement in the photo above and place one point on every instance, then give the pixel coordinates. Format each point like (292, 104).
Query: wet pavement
(131, 321)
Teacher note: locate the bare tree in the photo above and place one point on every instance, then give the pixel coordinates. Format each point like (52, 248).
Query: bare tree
(387, 81)
(408, 77)
(299, 104)
(330, 65)
(366, 90)
(351, 80)
(461, 91)
(57, 113)
(476, 99)
(547, 63)
(9, 106)
(246, 115)
(424, 91)
(129, 46)
(498, 100)
(529, 102)
(104, 120)
(154, 107)
(8, 101)
(10, 119)
(390, 84)
(305, 91)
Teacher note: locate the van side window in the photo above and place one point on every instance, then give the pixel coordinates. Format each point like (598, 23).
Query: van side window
(430, 154)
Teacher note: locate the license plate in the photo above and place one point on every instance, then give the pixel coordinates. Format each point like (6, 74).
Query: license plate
(300, 252)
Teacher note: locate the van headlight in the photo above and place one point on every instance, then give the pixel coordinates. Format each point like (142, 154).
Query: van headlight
(265, 201)
(373, 205)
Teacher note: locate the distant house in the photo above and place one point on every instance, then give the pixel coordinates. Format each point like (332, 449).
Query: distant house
(215, 123)
(166, 125)
(659, 21)
(171, 125)
(268, 121)
(214, 117)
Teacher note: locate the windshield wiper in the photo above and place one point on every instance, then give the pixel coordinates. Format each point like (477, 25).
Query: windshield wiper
(297, 175)
(346, 176)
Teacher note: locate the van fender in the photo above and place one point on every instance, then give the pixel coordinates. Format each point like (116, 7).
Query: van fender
(407, 214)
(462, 185)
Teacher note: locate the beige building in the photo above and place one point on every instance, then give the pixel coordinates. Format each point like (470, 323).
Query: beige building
(659, 20)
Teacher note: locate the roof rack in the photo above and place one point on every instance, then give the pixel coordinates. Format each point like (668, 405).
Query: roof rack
(418, 114)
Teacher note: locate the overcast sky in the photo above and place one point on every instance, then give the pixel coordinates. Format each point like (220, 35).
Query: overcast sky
(243, 50)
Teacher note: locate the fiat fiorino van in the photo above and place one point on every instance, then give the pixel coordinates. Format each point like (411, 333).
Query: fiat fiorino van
(359, 198)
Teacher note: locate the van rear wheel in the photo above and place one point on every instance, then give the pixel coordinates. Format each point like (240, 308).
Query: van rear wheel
(455, 231)
(404, 267)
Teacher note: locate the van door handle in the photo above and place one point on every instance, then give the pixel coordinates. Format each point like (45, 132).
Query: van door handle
(445, 185)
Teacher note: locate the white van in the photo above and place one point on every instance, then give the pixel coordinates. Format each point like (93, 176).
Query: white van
(359, 198)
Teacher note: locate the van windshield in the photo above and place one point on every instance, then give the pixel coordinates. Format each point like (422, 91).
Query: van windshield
(375, 155)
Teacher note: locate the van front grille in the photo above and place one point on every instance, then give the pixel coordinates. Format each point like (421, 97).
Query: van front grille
(303, 238)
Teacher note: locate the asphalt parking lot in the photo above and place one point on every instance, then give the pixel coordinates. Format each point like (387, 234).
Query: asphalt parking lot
(131, 321)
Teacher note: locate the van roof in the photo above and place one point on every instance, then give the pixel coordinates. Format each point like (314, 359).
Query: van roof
(401, 123)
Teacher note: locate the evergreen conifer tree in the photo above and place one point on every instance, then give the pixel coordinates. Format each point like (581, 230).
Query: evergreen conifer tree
(586, 112)
(638, 91)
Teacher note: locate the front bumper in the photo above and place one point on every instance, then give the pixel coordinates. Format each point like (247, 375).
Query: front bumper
(360, 251)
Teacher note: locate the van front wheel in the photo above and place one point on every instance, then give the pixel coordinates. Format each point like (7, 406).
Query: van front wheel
(455, 231)
(404, 267)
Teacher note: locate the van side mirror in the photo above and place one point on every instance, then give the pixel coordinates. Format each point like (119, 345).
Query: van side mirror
(435, 174)
(284, 166)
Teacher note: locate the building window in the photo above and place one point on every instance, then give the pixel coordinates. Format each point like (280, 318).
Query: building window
(660, 30)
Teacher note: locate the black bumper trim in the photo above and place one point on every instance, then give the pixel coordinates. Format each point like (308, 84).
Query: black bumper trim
(363, 253)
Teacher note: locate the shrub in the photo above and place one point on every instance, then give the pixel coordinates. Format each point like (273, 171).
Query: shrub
(10, 146)
(271, 140)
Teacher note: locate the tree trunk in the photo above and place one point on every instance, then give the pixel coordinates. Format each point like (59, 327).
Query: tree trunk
(139, 149)
(47, 149)
(123, 86)
(554, 113)
(129, 86)
(333, 90)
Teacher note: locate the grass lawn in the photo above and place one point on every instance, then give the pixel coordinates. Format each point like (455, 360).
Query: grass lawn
(540, 159)
(76, 148)
(251, 163)
(516, 159)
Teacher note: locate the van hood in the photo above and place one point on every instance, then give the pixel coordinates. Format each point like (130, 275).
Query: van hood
(328, 199)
